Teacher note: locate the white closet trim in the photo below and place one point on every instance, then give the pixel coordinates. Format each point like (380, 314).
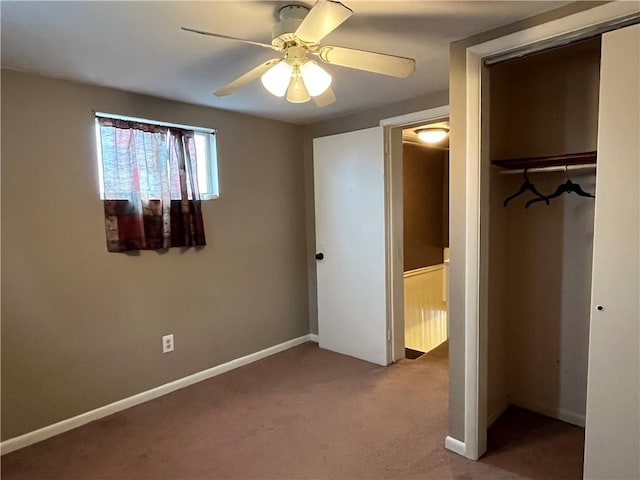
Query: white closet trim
(475, 321)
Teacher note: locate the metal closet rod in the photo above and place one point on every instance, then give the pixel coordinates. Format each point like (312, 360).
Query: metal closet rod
(559, 168)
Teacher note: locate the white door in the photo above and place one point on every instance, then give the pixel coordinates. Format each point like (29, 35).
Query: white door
(612, 444)
(350, 234)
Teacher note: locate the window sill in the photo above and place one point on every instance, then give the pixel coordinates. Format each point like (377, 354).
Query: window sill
(204, 196)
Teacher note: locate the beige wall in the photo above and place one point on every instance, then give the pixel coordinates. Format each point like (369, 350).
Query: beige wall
(546, 103)
(548, 298)
(82, 327)
(355, 121)
(457, 95)
(423, 175)
(497, 293)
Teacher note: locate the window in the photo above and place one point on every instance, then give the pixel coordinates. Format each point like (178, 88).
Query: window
(153, 177)
(111, 179)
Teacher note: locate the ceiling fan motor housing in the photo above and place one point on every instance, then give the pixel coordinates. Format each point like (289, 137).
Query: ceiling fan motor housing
(291, 17)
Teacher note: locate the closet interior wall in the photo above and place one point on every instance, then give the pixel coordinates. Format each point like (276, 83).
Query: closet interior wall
(539, 263)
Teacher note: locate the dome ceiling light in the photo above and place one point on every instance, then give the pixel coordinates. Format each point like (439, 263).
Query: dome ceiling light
(432, 135)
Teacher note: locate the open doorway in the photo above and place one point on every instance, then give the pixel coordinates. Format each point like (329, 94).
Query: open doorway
(358, 201)
(425, 200)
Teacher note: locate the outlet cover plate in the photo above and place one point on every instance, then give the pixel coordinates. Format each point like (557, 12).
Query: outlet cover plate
(167, 343)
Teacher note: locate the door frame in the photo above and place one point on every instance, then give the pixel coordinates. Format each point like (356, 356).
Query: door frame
(475, 155)
(394, 220)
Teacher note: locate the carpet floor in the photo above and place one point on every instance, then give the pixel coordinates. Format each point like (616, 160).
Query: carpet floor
(305, 413)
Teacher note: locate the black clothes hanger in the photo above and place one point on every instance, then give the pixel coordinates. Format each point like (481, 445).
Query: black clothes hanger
(566, 187)
(527, 185)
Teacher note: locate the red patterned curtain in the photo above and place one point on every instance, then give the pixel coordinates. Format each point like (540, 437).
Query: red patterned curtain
(151, 196)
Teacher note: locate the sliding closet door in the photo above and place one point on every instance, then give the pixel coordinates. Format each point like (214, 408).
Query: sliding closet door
(613, 394)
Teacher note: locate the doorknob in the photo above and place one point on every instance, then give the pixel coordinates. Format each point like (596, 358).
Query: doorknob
(319, 256)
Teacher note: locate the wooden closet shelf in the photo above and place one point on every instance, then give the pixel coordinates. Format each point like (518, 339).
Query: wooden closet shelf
(581, 158)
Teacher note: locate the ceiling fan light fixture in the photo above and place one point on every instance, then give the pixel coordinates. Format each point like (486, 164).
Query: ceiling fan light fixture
(276, 79)
(298, 35)
(316, 79)
(297, 92)
(433, 134)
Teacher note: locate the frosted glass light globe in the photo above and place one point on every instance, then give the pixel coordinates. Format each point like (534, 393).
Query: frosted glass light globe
(297, 92)
(432, 135)
(276, 79)
(315, 78)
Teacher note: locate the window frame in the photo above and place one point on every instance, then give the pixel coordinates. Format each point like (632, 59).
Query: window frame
(209, 134)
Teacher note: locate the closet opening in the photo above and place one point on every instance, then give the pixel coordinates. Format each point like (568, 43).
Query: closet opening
(425, 220)
(538, 232)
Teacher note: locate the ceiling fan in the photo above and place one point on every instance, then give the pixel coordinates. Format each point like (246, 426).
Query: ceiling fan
(297, 35)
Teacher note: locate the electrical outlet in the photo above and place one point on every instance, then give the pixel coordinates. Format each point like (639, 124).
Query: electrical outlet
(167, 343)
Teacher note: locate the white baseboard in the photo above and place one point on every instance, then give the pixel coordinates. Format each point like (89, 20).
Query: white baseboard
(314, 338)
(456, 446)
(43, 433)
(568, 416)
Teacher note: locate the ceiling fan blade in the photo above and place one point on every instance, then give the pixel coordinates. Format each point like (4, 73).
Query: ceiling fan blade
(227, 37)
(324, 99)
(322, 19)
(248, 77)
(369, 61)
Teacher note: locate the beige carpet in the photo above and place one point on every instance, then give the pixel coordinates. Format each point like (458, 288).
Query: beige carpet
(302, 414)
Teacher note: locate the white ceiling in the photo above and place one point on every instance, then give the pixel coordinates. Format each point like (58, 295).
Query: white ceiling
(138, 46)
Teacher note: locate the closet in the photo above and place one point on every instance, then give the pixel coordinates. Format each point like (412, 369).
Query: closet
(557, 328)
(543, 135)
